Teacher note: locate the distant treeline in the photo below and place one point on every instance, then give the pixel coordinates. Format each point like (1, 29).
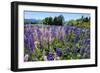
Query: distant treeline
(59, 20)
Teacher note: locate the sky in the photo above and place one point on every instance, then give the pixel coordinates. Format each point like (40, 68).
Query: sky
(42, 15)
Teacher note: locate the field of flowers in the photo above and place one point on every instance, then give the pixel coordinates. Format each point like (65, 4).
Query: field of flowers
(46, 43)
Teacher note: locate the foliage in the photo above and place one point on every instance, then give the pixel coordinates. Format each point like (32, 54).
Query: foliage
(83, 22)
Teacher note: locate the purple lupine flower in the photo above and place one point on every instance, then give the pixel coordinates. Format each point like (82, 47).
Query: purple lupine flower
(77, 32)
(82, 50)
(50, 56)
(58, 52)
(47, 32)
(66, 30)
(61, 37)
(28, 39)
(63, 33)
(39, 33)
(53, 31)
(76, 39)
(87, 41)
(31, 40)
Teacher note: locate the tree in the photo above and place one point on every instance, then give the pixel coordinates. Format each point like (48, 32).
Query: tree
(58, 20)
(45, 21)
(86, 19)
(55, 21)
(48, 20)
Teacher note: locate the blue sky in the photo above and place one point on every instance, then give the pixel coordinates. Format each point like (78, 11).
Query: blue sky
(42, 15)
